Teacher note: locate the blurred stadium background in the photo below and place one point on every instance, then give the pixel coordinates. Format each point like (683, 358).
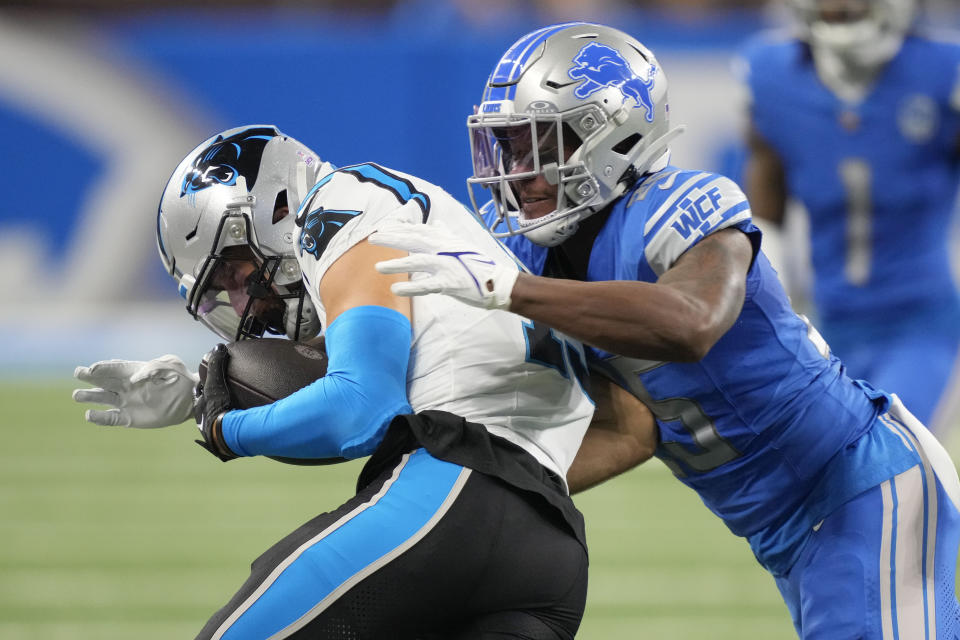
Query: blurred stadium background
(115, 534)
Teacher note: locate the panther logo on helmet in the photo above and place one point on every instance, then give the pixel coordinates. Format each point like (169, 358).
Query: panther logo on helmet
(602, 66)
(227, 158)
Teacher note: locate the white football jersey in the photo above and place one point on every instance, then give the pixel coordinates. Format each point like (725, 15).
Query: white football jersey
(522, 381)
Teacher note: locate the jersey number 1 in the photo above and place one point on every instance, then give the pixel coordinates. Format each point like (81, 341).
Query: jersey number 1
(857, 180)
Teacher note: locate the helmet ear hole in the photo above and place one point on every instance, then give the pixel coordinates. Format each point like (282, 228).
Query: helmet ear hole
(280, 207)
(623, 147)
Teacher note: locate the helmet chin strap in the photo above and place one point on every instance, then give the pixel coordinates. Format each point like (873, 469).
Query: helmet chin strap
(553, 232)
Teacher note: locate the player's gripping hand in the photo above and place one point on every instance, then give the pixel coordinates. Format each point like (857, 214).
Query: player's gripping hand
(144, 395)
(211, 401)
(440, 262)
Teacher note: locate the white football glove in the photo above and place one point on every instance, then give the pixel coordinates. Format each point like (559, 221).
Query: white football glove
(144, 395)
(440, 262)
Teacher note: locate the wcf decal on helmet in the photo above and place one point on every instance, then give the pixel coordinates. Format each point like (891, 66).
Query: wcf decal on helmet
(601, 66)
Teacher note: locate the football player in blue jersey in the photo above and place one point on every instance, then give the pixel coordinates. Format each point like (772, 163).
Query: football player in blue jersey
(843, 495)
(857, 117)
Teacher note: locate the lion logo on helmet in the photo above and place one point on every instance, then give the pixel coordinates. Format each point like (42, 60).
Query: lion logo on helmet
(600, 66)
(227, 158)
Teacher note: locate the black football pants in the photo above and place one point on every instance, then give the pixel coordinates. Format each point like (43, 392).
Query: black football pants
(428, 550)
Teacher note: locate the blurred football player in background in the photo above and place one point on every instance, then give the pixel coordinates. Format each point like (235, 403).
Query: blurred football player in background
(857, 117)
(843, 495)
(462, 526)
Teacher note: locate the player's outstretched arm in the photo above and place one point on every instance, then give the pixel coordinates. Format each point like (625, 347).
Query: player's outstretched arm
(141, 395)
(677, 319)
(622, 435)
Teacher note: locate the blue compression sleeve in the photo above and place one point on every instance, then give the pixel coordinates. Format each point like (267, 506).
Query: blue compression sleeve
(346, 412)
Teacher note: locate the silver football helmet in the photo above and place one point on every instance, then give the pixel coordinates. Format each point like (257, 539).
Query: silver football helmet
(865, 33)
(582, 105)
(226, 232)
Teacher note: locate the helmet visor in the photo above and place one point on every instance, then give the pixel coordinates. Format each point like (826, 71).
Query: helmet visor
(517, 148)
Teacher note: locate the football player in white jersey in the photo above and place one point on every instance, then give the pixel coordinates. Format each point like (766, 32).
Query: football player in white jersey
(471, 419)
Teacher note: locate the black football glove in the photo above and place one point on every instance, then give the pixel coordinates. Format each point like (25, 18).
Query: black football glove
(212, 400)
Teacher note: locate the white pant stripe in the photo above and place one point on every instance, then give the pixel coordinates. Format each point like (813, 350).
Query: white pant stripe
(912, 586)
(886, 542)
(917, 570)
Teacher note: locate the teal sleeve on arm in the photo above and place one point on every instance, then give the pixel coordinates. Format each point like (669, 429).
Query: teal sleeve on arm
(346, 412)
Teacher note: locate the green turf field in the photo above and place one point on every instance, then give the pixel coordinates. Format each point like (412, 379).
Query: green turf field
(119, 533)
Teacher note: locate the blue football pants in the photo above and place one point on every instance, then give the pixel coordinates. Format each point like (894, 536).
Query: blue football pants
(882, 566)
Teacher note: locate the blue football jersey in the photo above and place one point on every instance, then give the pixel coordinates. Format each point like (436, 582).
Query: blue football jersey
(878, 178)
(754, 425)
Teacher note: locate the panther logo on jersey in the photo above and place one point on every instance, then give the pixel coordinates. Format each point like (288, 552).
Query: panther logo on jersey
(601, 66)
(319, 227)
(226, 159)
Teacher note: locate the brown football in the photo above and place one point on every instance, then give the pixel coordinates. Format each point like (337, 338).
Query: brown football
(264, 370)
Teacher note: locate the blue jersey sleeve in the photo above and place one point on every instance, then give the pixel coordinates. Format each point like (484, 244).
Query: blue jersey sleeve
(346, 412)
(681, 209)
